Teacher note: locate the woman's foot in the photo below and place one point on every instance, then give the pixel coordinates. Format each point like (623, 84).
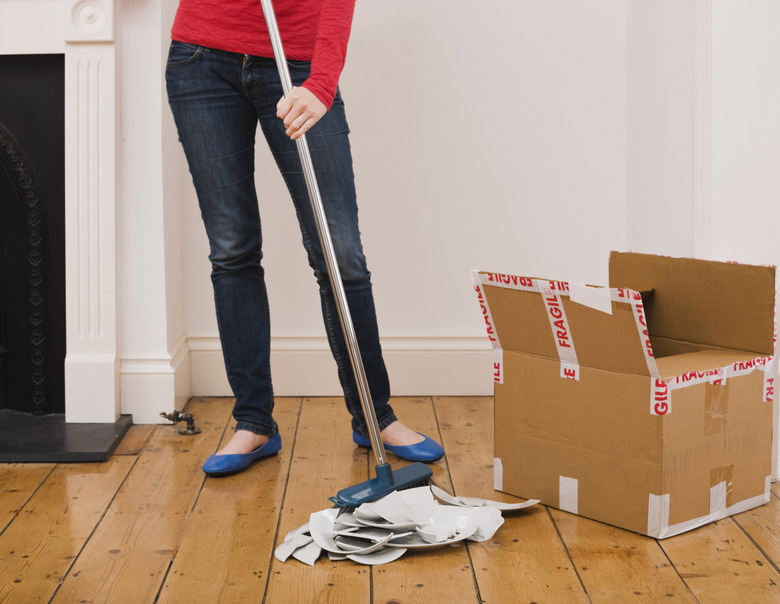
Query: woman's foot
(405, 443)
(243, 442)
(400, 435)
(228, 461)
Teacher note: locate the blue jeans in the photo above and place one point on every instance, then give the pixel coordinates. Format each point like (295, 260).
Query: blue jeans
(217, 99)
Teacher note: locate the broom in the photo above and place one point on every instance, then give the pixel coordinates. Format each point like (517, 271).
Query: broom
(386, 480)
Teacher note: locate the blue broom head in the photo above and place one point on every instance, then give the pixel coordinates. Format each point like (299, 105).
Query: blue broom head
(386, 481)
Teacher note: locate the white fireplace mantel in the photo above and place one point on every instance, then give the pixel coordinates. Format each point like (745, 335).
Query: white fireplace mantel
(126, 348)
(83, 31)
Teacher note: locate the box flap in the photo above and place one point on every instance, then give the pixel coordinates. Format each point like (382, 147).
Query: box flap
(720, 304)
(538, 317)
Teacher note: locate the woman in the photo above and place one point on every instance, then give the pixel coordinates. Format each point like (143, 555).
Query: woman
(222, 81)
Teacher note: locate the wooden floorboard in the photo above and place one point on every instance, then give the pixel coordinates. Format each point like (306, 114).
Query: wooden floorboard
(231, 527)
(441, 575)
(129, 554)
(18, 482)
(39, 547)
(147, 526)
(324, 460)
(526, 560)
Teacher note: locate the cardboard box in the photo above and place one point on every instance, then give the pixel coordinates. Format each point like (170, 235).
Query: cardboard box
(646, 405)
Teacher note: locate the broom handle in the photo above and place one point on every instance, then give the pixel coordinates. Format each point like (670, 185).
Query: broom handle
(327, 247)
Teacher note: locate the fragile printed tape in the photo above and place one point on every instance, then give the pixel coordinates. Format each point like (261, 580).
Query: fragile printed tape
(498, 365)
(526, 284)
(568, 494)
(570, 367)
(551, 292)
(660, 397)
(661, 390)
(769, 381)
(659, 505)
(635, 299)
(692, 378)
(490, 326)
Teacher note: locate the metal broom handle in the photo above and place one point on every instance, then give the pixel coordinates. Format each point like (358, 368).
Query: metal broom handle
(327, 246)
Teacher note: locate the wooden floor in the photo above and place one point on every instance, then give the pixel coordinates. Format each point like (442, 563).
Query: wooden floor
(148, 526)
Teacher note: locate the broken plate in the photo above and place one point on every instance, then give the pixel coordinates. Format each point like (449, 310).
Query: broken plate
(381, 557)
(477, 502)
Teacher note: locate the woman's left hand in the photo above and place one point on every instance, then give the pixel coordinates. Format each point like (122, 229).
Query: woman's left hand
(299, 110)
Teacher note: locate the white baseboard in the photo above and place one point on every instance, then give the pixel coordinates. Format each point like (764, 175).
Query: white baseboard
(154, 383)
(304, 367)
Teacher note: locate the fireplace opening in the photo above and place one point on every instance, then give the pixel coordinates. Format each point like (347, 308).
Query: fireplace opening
(32, 234)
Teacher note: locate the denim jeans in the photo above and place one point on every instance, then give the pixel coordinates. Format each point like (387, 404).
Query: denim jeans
(217, 99)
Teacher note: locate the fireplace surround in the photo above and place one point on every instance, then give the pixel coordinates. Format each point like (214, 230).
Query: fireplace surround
(32, 199)
(81, 32)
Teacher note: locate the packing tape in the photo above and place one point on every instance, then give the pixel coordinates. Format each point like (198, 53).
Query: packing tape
(526, 284)
(692, 378)
(638, 309)
(570, 367)
(721, 487)
(551, 292)
(658, 510)
(661, 390)
(660, 397)
(498, 474)
(568, 494)
(746, 367)
(658, 515)
(769, 380)
(490, 326)
(498, 365)
(716, 412)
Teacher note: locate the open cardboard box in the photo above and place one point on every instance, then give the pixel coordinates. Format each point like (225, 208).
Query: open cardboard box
(646, 405)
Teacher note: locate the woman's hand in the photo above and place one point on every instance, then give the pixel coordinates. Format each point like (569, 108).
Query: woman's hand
(299, 110)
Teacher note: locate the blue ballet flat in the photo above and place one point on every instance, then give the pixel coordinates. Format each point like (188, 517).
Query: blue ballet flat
(222, 465)
(427, 450)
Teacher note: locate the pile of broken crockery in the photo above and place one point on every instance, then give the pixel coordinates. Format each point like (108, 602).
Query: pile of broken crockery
(384, 530)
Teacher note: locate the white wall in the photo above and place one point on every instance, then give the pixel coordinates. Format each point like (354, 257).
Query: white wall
(154, 365)
(526, 136)
(491, 139)
(744, 221)
(704, 131)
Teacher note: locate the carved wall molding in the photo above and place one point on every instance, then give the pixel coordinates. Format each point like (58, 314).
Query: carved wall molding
(89, 20)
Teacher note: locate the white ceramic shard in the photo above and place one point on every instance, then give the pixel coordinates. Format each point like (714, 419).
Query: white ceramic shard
(381, 557)
(488, 522)
(295, 539)
(443, 495)
(308, 554)
(321, 526)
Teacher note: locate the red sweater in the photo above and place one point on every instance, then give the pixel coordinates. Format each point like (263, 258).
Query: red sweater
(311, 30)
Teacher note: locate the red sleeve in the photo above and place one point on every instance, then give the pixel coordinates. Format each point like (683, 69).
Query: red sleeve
(330, 49)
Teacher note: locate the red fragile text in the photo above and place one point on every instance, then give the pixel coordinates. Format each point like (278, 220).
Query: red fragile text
(560, 286)
(639, 311)
(559, 323)
(627, 294)
(661, 401)
(483, 305)
(510, 280)
(748, 365)
(698, 375)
